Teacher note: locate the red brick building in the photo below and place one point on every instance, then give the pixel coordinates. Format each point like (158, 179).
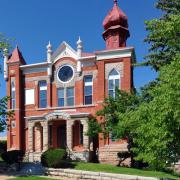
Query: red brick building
(53, 100)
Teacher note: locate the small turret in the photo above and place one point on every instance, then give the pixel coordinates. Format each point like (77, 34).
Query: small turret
(116, 28)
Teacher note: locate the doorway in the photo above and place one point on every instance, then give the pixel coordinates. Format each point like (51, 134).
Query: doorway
(61, 136)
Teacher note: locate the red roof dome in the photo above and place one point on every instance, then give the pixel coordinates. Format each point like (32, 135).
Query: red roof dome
(115, 17)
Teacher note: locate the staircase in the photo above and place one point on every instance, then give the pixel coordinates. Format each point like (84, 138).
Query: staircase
(108, 154)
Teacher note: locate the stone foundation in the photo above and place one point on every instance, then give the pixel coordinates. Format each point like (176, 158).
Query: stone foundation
(108, 154)
(34, 156)
(70, 174)
(80, 156)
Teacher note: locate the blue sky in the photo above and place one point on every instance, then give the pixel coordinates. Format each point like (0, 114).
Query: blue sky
(33, 23)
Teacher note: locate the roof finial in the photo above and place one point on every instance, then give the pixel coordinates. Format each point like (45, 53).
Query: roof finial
(115, 2)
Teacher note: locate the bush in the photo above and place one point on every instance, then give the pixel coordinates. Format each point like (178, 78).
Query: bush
(12, 156)
(3, 146)
(54, 158)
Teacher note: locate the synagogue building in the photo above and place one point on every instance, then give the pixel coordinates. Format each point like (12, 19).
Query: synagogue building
(54, 99)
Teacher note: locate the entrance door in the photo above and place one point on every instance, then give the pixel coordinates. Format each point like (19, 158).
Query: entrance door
(61, 136)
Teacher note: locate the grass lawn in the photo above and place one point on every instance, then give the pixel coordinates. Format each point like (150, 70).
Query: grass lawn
(31, 178)
(121, 170)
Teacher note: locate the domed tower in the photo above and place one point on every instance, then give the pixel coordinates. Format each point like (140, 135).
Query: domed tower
(116, 28)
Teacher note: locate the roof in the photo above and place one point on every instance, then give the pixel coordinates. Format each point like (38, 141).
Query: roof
(115, 17)
(16, 56)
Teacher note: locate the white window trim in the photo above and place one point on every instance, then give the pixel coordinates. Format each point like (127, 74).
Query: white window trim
(43, 88)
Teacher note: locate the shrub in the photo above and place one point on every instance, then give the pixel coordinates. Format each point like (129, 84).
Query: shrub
(12, 156)
(3, 147)
(54, 158)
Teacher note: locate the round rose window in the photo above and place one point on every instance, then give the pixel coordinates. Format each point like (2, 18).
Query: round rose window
(65, 73)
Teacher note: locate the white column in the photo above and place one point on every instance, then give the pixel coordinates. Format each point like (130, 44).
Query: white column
(30, 136)
(45, 135)
(85, 137)
(69, 124)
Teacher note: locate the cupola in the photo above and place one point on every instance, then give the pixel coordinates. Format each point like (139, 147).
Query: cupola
(116, 28)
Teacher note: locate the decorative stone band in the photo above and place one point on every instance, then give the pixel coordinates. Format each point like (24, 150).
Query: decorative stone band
(72, 174)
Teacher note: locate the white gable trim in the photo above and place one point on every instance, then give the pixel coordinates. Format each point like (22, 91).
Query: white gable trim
(64, 50)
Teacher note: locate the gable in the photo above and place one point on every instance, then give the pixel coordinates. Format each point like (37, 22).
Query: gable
(64, 50)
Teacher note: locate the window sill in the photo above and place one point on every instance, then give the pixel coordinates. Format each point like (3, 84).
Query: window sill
(65, 108)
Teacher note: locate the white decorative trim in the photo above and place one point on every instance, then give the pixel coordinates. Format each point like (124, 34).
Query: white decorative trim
(34, 65)
(64, 50)
(87, 58)
(112, 54)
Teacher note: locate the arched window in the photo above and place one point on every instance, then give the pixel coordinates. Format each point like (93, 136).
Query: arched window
(13, 95)
(113, 82)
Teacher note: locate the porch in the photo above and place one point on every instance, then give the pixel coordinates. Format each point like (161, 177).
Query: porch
(58, 130)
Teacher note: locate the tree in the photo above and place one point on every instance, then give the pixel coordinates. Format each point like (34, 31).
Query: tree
(3, 102)
(151, 119)
(112, 107)
(157, 134)
(163, 34)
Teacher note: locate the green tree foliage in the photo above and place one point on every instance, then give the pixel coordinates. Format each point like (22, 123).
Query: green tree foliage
(113, 106)
(3, 101)
(94, 128)
(151, 119)
(164, 34)
(157, 135)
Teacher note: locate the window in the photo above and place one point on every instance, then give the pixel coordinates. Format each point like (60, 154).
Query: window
(29, 96)
(42, 94)
(88, 83)
(65, 96)
(70, 96)
(13, 124)
(13, 95)
(65, 73)
(60, 97)
(113, 82)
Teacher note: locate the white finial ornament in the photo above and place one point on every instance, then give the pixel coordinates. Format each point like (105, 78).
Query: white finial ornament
(79, 54)
(115, 2)
(5, 54)
(49, 59)
(79, 47)
(49, 52)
